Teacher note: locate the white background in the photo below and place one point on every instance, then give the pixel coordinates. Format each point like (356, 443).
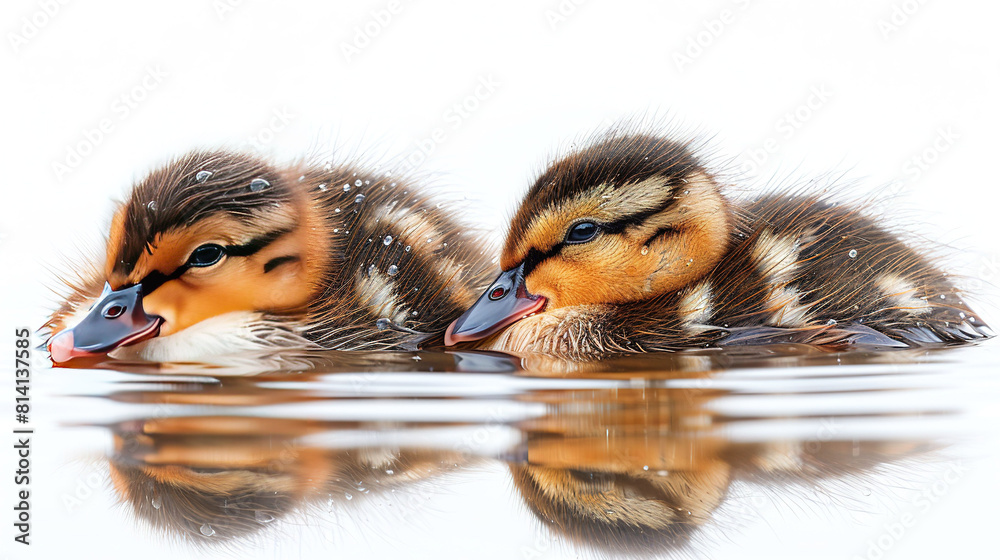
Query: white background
(896, 74)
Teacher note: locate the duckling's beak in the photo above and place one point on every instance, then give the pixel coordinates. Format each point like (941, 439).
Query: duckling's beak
(116, 319)
(504, 302)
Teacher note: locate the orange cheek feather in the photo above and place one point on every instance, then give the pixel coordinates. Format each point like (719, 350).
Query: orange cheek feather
(608, 271)
(182, 305)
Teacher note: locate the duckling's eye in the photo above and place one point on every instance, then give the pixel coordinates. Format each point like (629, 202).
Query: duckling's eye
(582, 232)
(206, 255)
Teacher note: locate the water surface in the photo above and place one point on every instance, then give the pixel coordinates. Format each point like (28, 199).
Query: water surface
(780, 451)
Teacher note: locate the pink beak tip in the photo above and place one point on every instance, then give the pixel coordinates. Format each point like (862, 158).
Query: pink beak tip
(449, 338)
(61, 347)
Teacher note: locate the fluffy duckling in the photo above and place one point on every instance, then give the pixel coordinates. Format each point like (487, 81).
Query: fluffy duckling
(222, 252)
(630, 245)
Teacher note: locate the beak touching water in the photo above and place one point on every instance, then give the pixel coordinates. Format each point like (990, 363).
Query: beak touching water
(506, 301)
(116, 319)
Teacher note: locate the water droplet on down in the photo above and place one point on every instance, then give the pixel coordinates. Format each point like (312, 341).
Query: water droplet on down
(263, 517)
(202, 176)
(258, 185)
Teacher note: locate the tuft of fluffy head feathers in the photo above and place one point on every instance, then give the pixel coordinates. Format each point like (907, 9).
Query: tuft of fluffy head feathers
(613, 161)
(191, 188)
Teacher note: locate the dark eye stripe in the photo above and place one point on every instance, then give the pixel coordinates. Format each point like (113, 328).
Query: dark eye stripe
(155, 279)
(535, 257)
(278, 261)
(637, 218)
(662, 232)
(257, 243)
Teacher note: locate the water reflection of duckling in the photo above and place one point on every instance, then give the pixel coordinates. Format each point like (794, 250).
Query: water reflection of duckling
(215, 480)
(645, 472)
(619, 470)
(221, 252)
(629, 245)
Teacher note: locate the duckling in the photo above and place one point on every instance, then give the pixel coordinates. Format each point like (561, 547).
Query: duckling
(223, 252)
(629, 244)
